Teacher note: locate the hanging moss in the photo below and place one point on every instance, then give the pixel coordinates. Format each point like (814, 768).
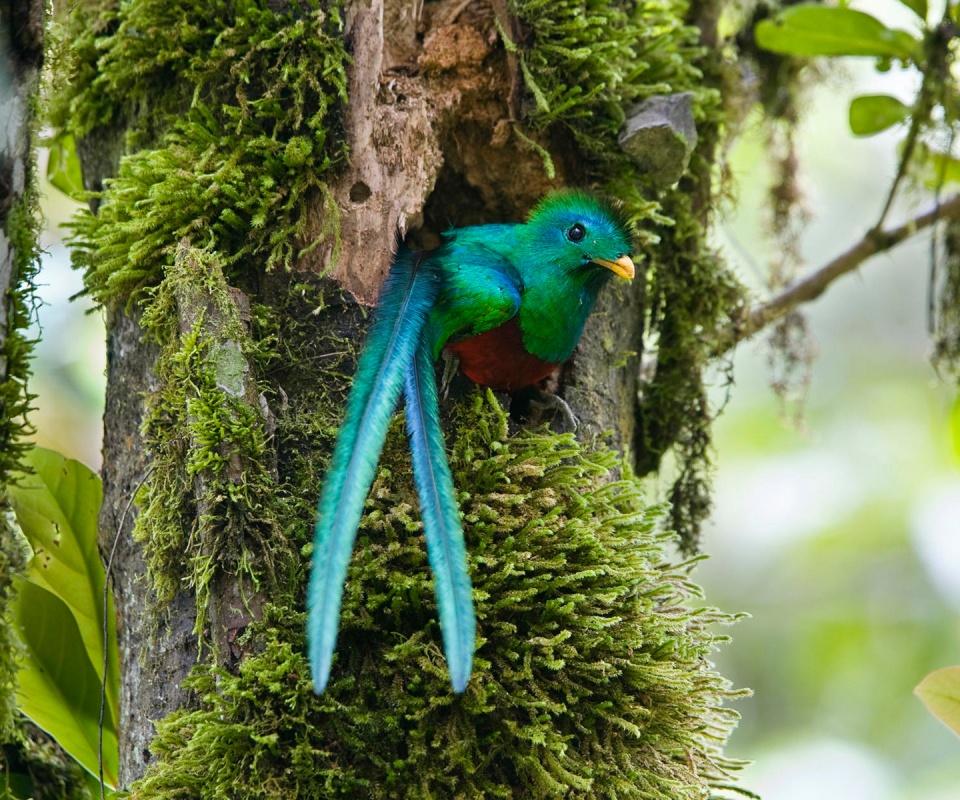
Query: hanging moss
(591, 673)
(22, 228)
(20, 224)
(239, 104)
(584, 65)
(31, 763)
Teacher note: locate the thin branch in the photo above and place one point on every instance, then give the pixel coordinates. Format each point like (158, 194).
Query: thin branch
(936, 48)
(106, 629)
(814, 284)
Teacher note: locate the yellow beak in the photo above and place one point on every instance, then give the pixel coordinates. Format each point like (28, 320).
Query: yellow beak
(622, 267)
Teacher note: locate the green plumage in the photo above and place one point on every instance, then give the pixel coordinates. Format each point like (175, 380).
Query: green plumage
(510, 302)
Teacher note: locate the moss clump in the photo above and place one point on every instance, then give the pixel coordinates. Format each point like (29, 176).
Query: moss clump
(21, 227)
(591, 675)
(586, 62)
(243, 126)
(209, 504)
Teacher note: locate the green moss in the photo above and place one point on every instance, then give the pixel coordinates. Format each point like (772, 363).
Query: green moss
(22, 228)
(691, 292)
(209, 504)
(586, 62)
(243, 125)
(591, 674)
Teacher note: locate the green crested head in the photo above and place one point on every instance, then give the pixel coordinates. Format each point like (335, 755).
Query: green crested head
(569, 247)
(581, 234)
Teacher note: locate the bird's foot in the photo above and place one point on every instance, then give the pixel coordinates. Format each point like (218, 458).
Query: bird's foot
(451, 364)
(555, 403)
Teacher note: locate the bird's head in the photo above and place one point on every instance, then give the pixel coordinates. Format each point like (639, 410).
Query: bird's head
(582, 234)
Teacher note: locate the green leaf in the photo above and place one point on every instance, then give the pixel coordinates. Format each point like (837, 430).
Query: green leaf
(63, 167)
(918, 7)
(56, 507)
(872, 113)
(57, 686)
(940, 693)
(815, 30)
(936, 168)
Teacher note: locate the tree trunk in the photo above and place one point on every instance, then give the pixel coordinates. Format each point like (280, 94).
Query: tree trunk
(223, 384)
(21, 56)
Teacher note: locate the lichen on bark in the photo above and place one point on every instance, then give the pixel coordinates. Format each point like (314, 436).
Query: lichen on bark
(210, 502)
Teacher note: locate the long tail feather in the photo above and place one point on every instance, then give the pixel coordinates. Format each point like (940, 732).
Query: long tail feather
(441, 517)
(406, 299)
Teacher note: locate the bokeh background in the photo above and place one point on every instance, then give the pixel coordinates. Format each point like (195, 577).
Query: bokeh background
(839, 533)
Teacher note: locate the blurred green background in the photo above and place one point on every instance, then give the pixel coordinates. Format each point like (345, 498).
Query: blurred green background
(839, 535)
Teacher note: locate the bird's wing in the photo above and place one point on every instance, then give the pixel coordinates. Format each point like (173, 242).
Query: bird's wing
(441, 517)
(409, 293)
(480, 291)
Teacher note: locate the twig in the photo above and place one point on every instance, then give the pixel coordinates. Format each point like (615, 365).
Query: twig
(106, 629)
(809, 288)
(936, 48)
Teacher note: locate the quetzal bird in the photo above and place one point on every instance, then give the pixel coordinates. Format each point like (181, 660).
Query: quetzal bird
(510, 302)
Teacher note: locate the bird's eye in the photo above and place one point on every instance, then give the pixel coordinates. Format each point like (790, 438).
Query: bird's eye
(576, 233)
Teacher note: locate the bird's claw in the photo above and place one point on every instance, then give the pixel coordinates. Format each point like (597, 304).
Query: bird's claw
(451, 364)
(555, 403)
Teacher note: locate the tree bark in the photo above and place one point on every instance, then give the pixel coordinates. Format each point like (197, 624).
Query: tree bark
(153, 660)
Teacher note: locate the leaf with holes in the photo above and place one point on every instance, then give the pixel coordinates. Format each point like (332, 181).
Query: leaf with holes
(57, 686)
(815, 30)
(872, 113)
(940, 693)
(56, 504)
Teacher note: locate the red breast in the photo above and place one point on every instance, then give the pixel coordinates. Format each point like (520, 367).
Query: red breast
(497, 358)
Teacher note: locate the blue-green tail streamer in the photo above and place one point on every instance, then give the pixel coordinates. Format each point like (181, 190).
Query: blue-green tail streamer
(408, 294)
(441, 517)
